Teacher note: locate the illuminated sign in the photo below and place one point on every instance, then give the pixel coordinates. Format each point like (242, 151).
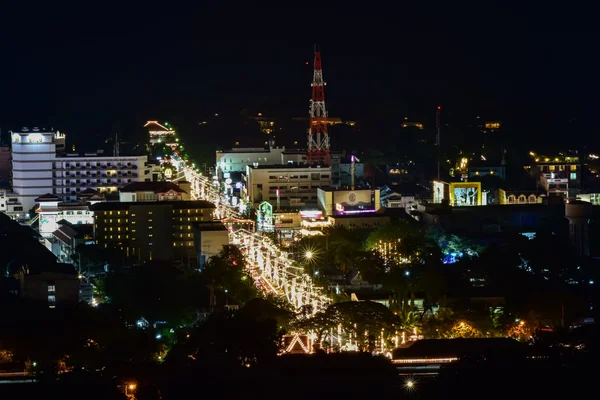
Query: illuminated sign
(16, 138)
(168, 173)
(353, 200)
(228, 181)
(465, 194)
(440, 191)
(35, 138)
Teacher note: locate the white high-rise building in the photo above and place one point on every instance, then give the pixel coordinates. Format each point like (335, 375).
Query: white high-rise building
(41, 166)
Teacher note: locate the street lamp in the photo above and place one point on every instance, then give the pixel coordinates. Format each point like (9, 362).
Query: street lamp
(129, 389)
(308, 255)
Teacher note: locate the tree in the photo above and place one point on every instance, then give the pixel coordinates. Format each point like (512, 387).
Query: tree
(155, 291)
(226, 272)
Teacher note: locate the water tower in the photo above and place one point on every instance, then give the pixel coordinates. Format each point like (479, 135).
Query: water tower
(579, 213)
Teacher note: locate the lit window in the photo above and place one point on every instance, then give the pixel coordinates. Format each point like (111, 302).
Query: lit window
(149, 212)
(119, 229)
(51, 288)
(52, 300)
(118, 212)
(573, 176)
(149, 227)
(149, 235)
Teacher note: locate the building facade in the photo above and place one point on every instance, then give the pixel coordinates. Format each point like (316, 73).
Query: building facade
(558, 174)
(160, 230)
(236, 159)
(154, 191)
(40, 166)
(286, 186)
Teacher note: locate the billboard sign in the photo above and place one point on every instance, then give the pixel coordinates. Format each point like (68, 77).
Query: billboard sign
(440, 191)
(465, 194)
(351, 200)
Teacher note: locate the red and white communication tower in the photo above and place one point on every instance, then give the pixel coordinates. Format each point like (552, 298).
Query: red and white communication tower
(318, 138)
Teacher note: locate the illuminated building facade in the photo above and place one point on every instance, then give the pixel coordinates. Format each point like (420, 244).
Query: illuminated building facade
(154, 191)
(466, 194)
(519, 197)
(348, 202)
(236, 159)
(558, 175)
(159, 133)
(52, 210)
(157, 230)
(39, 167)
(286, 186)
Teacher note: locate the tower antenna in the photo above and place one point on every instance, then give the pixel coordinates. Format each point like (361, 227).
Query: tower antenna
(438, 139)
(318, 138)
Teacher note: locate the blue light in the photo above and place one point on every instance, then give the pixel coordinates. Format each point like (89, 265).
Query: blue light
(407, 273)
(158, 336)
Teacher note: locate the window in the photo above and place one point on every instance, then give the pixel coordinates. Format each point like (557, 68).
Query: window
(573, 167)
(573, 176)
(52, 300)
(51, 288)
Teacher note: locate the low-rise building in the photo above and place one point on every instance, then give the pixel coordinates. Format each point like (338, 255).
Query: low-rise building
(67, 238)
(209, 239)
(53, 284)
(52, 209)
(566, 167)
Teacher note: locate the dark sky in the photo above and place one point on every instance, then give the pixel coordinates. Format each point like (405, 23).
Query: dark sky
(86, 68)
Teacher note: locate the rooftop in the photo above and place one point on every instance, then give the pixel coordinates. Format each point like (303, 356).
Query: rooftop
(177, 204)
(156, 187)
(289, 166)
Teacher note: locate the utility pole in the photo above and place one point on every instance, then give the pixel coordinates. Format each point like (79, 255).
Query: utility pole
(438, 140)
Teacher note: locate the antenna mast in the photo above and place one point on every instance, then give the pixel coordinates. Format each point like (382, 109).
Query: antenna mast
(116, 146)
(438, 140)
(318, 138)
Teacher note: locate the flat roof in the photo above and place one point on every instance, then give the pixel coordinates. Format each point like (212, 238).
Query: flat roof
(176, 204)
(289, 166)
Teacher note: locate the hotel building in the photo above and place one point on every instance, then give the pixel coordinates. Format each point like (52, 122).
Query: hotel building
(152, 230)
(40, 166)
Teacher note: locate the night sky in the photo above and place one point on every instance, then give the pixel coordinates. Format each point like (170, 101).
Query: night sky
(85, 69)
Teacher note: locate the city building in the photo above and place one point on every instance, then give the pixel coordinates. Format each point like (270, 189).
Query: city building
(52, 209)
(159, 133)
(5, 167)
(554, 184)
(286, 186)
(477, 169)
(54, 284)
(152, 230)
(41, 166)
(154, 191)
(348, 202)
(236, 159)
(557, 174)
(64, 241)
(519, 197)
(209, 239)
(459, 194)
(9, 205)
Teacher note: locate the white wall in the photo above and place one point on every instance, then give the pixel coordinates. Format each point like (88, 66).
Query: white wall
(236, 160)
(293, 183)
